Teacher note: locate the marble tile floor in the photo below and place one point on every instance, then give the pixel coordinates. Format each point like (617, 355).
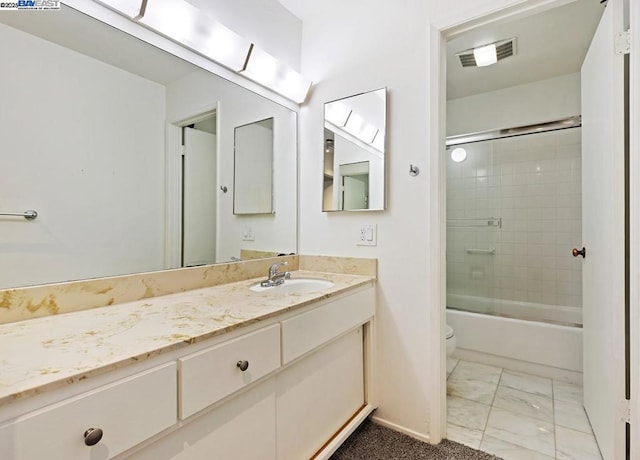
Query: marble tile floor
(517, 416)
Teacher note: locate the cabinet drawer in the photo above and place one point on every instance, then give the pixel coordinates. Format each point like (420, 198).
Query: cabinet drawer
(128, 412)
(209, 375)
(307, 331)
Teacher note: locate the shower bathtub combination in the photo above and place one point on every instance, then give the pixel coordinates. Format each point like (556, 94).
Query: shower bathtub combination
(514, 290)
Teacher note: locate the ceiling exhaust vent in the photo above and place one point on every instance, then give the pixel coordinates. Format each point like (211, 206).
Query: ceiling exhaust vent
(504, 49)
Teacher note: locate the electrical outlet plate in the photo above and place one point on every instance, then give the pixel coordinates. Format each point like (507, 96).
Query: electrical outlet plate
(368, 235)
(248, 235)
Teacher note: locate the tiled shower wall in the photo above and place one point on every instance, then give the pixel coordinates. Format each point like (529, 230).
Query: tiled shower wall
(533, 184)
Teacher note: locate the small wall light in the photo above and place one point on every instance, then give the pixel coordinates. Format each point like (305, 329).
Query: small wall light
(459, 155)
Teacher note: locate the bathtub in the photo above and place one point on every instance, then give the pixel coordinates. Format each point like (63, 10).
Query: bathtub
(558, 314)
(542, 348)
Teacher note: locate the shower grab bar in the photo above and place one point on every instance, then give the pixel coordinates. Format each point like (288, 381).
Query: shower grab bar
(489, 251)
(476, 222)
(29, 214)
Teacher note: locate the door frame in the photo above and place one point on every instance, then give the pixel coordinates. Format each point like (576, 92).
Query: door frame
(439, 32)
(634, 224)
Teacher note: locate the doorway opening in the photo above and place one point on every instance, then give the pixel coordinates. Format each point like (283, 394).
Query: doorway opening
(199, 195)
(502, 242)
(192, 195)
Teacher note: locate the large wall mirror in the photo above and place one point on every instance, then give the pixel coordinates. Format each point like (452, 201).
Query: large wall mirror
(354, 153)
(127, 154)
(253, 172)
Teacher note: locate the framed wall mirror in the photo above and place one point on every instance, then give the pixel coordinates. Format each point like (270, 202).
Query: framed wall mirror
(253, 168)
(127, 154)
(354, 153)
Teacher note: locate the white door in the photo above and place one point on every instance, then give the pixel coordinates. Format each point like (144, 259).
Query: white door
(199, 198)
(354, 189)
(603, 220)
(354, 178)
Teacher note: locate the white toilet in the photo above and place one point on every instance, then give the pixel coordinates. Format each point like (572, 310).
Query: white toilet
(451, 341)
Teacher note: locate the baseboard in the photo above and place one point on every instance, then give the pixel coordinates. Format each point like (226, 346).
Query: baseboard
(526, 367)
(340, 437)
(401, 429)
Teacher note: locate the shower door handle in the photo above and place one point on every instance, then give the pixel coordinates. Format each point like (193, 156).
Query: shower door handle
(582, 252)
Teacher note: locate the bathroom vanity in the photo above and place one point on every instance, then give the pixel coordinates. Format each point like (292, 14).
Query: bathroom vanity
(216, 372)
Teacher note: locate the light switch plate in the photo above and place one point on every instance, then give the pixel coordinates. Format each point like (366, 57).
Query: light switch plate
(368, 235)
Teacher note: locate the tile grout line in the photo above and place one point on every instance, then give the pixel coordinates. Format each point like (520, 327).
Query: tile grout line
(486, 425)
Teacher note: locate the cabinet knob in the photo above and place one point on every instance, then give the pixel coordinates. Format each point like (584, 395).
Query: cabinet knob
(92, 436)
(243, 365)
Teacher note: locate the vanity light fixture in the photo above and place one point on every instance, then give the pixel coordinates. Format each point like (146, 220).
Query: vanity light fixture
(358, 127)
(129, 8)
(193, 28)
(378, 142)
(268, 71)
(337, 114)
(184, 23)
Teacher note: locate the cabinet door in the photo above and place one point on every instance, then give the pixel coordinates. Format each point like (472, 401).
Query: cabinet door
(128, 412)
(318, 395)
(242, 428)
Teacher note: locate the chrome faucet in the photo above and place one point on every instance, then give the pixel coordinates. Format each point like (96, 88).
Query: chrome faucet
(276, 278)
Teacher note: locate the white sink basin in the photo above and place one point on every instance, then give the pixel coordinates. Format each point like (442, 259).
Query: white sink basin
(295, 286)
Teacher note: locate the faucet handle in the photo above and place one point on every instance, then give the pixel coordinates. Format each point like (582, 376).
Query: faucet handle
(274, 268)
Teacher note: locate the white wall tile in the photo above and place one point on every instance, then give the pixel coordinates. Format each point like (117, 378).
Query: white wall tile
(533, 184)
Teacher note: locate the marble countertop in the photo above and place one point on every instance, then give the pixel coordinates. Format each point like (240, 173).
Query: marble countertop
(45, 353)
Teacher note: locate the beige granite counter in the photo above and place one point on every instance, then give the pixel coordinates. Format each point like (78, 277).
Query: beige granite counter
(48, 352)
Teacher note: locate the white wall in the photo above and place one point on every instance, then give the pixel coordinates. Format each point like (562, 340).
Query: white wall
(371, 44)
(198, 93)
(266, 23)
(545, 100)
(82, 143)
(367, 46)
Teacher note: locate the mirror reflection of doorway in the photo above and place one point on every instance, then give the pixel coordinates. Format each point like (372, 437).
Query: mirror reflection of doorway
(355, 186)
(199, 205)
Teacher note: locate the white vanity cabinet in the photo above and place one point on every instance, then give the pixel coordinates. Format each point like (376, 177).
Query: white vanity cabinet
(279, 390)
(208, 376)
(317, 395)
(316, 385)
(242, 428)
(127, 411)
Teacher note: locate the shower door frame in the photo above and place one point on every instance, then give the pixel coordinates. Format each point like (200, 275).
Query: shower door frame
(495, 135)
(458, 21)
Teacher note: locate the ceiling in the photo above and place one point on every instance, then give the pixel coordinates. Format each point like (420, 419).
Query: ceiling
(549, 44)
(300, 8)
